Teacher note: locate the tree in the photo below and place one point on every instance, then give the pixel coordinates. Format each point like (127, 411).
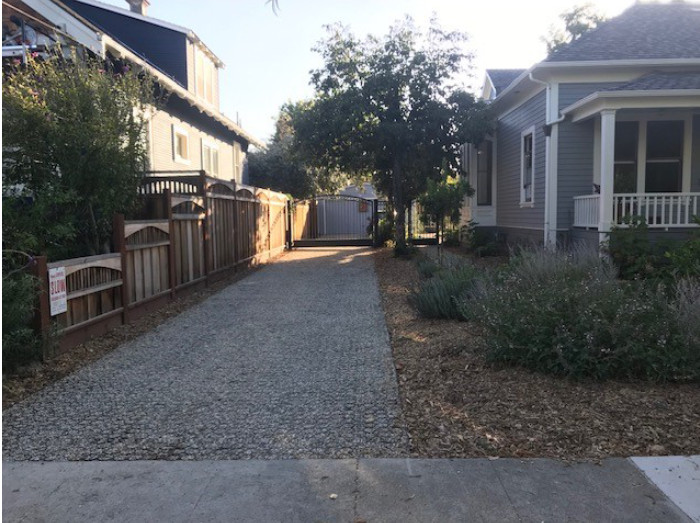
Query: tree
(279, 167)
(577, 22)
(443, 200)
(74, 152)
(391, 109)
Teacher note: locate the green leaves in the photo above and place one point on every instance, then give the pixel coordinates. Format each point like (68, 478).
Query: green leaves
(75, 150)
(391, 108)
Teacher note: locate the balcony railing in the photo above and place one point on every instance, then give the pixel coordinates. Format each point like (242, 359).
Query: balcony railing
(659, 210)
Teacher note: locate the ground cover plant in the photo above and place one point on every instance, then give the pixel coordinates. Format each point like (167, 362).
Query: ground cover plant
(456, 403)
(567, 313)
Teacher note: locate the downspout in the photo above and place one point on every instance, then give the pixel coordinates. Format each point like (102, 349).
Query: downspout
(549, 238)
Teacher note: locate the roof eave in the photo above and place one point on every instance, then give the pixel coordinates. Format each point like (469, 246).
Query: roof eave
(652, 98)
(172, 86)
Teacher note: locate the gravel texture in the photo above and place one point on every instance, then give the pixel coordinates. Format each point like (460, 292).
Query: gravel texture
(292, 362)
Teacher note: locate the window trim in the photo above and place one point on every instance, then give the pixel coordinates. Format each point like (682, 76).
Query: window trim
(523, 202)
(212, 146)
(177, 130)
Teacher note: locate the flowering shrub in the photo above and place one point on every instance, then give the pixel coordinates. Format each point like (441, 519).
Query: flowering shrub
(437, 297)
(568, 314)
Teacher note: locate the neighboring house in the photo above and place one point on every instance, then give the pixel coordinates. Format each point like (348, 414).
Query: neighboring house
(189, 132)
(606, 128)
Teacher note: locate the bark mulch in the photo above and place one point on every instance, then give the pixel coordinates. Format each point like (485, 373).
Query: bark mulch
(455, 404)
(33, 378)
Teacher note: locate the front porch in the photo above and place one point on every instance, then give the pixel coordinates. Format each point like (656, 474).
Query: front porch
(661, 211)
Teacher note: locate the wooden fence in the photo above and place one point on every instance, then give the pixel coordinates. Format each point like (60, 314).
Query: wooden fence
(193, 230)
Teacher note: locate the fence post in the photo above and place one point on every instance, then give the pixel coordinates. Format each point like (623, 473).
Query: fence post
(269, 224)
(42, 314)
(375, 223)
(205, 225)
(289, 221)
(168, 202)
(236, 232)
(120, 246)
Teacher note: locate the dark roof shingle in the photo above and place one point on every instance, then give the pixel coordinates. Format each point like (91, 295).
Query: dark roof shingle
(502, 78)
(644, 31)
(661, 81)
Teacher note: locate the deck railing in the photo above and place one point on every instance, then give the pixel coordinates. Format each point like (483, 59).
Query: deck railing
(659, 210)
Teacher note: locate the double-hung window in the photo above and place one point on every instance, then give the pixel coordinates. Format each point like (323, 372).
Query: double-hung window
(210, 158)
(181, 145)
(527, 167)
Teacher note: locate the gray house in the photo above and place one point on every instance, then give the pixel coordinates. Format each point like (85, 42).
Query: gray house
(604, 129)
(189, 132)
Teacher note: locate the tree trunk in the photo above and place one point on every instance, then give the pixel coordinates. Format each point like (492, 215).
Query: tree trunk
(399, 207)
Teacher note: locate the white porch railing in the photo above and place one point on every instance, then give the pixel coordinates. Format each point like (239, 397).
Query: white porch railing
(586, 210)
(659, 210)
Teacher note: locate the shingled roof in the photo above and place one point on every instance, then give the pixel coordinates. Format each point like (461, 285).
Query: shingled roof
(661, 82)
(644, 31)
(502, 78)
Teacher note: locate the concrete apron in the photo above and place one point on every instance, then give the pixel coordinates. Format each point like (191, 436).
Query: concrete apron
(351, 490)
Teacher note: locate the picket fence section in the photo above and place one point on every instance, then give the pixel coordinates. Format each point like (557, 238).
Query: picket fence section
(194, 229)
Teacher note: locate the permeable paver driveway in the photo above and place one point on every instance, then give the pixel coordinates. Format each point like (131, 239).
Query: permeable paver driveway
(291, 362)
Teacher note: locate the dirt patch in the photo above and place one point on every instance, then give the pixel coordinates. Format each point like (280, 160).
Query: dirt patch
(35, 377)
(457, 405)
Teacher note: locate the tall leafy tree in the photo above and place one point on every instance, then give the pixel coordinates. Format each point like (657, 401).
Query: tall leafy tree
(574, 23)
(281, 168)
(74, 151)
(391, 108)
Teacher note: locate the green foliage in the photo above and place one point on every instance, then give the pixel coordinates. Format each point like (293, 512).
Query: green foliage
(385, 231)
(443, 200)
(74, 152)
(20, 344)
(481, 241)
(576, 22)
(390, 108)
(281, 168)
(568, 314)
(441, 295)
(638, 257)
(684, 258)
(426, 267)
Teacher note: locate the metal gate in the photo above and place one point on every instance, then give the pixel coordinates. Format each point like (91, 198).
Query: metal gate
(334, 220)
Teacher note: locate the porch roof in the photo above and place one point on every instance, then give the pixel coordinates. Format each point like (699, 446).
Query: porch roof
(651, 91)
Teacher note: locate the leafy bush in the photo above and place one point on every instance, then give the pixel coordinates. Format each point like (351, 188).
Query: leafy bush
(481, 241)
(20, 344)
(684, 259)
(439, 296)
(569, 315)
(427, 268)
(385, 231)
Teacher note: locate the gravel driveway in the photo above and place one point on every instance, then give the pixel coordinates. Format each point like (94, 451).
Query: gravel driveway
(293, 361)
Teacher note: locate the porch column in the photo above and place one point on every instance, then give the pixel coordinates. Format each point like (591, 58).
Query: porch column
(607, 167)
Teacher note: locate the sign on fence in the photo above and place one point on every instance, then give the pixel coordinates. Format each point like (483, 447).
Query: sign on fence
(57, 290)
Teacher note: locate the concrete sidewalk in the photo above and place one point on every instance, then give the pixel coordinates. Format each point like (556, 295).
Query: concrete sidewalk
(352, 490)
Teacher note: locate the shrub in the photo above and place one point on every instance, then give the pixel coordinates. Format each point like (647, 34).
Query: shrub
(480, 241)
(439, 296)
(385, 231)
(426, 268)
(20, 344)
(569, 315)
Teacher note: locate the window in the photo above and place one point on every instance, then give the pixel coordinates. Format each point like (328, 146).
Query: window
(181, 147)
(625, 170)
(237, 162)
(527, 168)
(664, 171)
(205, 77)
(210, 158)
(484, 183)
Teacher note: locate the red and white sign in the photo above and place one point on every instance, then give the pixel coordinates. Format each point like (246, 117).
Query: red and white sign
(57, 290)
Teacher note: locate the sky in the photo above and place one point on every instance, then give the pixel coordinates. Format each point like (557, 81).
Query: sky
(268, 57)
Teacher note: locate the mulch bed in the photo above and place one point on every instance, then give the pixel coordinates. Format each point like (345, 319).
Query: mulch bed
(455, 404)
(35, 377)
